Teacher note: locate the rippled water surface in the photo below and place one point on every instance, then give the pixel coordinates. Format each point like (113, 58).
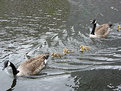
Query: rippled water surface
(42, 26)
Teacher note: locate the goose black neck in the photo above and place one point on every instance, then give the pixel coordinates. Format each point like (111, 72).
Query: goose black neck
(15, 71)
(93, 30)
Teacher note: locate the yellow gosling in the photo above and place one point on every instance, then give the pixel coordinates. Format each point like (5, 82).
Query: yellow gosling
(118, 28)
(56, 55)
(67, 51)
(84, 48)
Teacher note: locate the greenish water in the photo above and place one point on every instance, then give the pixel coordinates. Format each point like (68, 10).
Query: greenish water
(42, 26)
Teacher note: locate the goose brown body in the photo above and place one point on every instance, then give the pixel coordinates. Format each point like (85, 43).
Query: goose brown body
(102, 30)
(33, 65)
(29, 67)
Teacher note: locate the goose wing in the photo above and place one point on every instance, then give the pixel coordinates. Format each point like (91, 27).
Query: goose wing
(33, 65)
(102, 30)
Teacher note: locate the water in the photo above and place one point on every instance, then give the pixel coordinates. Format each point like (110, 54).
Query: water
(42, 26)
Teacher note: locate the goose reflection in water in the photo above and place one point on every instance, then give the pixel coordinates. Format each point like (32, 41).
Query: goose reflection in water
(12, 86)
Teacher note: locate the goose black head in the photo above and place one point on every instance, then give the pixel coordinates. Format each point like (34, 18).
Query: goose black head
(94, 21)
(6, 64)
(9, 64)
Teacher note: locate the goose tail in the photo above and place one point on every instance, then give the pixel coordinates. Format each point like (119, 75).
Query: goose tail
(110, 25)
(46, 57)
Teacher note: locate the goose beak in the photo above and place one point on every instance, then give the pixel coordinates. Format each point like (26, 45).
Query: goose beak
(3, 68)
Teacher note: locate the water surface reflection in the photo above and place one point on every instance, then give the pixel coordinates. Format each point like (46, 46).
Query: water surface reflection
(12, 86)
(96, 80)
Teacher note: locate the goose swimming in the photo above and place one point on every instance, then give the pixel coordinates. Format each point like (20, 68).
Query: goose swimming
(100, 31)
(30, 67)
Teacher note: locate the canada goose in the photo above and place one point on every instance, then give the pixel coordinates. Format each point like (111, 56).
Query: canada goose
(100, 31)
(30, 67)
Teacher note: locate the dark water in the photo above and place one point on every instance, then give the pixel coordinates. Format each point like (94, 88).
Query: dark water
(41, 26)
